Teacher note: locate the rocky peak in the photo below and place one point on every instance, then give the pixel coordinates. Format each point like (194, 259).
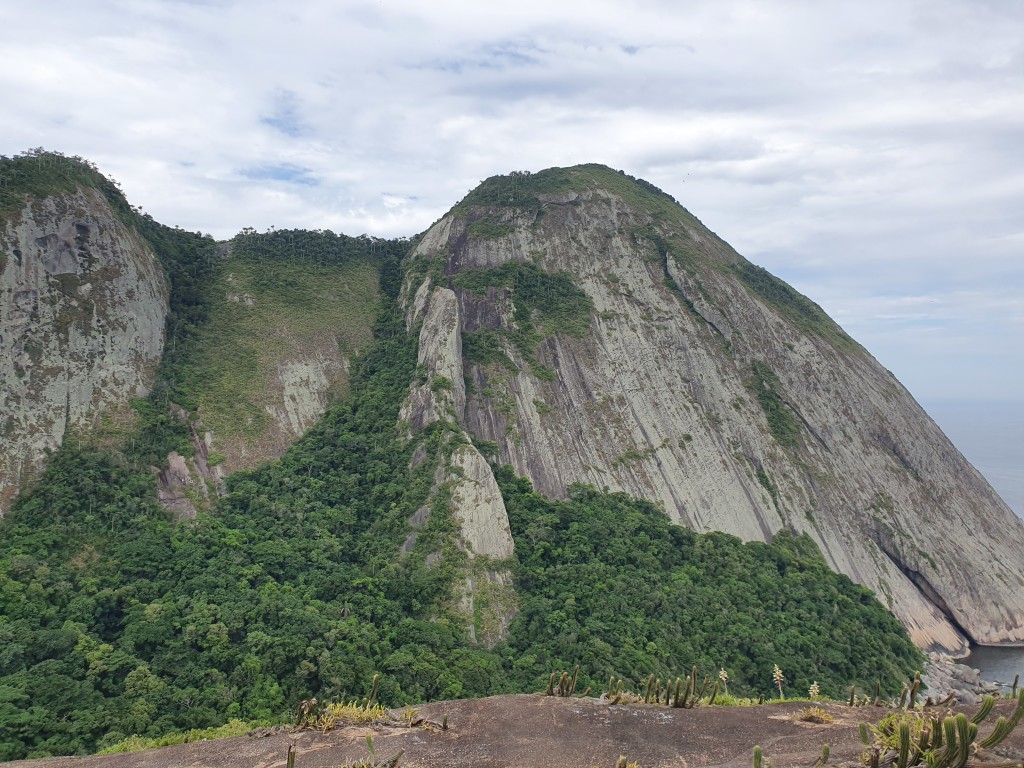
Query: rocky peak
(607, 337)
(82, 307)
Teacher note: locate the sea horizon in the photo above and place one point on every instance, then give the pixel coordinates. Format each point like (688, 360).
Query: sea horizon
(990, 434)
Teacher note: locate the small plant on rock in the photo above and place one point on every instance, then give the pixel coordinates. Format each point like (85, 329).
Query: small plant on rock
(778, 678)
(815, 715)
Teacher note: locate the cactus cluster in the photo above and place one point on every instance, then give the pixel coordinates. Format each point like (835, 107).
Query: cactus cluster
(564, 684)
(614, 694)
(684, 694)
(935, 743)
(911, 690)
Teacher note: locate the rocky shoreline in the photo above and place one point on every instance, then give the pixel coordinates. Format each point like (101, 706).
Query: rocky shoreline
(944, 674)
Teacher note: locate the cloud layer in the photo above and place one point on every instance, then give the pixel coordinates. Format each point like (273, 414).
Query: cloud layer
(867, 152)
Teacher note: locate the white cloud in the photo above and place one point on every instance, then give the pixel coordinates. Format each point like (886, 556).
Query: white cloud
(868, 152)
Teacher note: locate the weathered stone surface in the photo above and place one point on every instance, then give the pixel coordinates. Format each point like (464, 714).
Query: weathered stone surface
(477, 503)
(657, 401)
(539, 731)
(487, 597)
(944, 675)
(304, 388)
(82, 307)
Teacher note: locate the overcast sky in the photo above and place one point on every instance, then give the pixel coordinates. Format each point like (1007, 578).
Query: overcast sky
(871, 153)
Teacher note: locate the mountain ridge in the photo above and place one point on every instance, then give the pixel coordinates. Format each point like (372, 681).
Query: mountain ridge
(577, 336)
(670, 297)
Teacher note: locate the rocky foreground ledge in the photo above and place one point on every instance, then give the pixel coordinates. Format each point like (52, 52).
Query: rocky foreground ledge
(532, 730)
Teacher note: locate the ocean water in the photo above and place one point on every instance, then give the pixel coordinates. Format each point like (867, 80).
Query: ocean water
(997, 664)
(991, 436)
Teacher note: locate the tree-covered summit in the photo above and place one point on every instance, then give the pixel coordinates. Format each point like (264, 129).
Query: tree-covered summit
(39, 173)
(523, 189)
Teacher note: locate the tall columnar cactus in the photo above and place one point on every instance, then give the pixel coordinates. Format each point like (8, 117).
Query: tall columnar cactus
(372, 698)
(1004, 727)
(986, 709)
(614, 698)
(949, 743)
(914, 690)
(903, 757)
(566, 683)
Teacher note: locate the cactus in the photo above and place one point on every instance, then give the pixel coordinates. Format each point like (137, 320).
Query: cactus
(1016, 682)
(714, 693)
(1004, 726)
(757, 757)
(618, 694)
(650, 687)
(703, 689)
(372, 698)
(824, 757)
(878, 693)
(621, 762)
(291, 756)
(924, 742)
(903, 759)
(914, 689)
(985, 711)
(864, 736)
(564, 684)
(903, 696)
(853, 695)
(444, 723)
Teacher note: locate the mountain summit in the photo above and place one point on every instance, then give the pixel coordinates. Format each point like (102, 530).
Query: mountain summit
(593, 331)
(241, 475)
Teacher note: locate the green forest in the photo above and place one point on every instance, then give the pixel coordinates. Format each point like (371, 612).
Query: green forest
(116, 620)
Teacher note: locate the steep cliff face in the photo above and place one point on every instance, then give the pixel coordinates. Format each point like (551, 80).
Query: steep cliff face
(609, 338)
(487, 597)
(82, 307)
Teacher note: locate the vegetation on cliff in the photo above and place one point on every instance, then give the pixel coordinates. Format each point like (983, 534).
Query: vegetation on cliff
(114, 620)
(545, 304)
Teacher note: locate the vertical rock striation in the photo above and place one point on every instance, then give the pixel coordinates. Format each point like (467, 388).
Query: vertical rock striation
(486, 597)
(716, 391)
(82, 307)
